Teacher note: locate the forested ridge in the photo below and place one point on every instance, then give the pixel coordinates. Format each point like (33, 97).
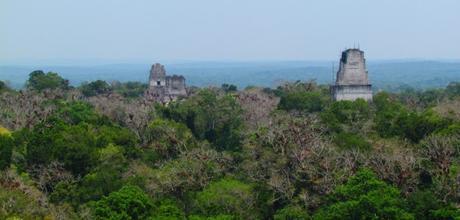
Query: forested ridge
(101, 151)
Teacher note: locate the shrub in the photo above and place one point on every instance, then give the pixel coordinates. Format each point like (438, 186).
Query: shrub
(291, 213)
(423, 204)
(78, 112)
(95, 88)
(4, 131)
(168, 209)
(415, 126)
(229, 88)
(365, 197)
(210, 116)
(6, 150)
(40, 81)
(4, 87)
(392, 119)
(130, 202)
(130, 89)
(453, 89)
(229, 197)
(351, 114)
(351, 141)
(169, 138)
(303, 101)
(15, 203)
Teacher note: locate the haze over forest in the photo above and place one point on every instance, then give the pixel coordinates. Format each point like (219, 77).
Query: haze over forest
(387, 75)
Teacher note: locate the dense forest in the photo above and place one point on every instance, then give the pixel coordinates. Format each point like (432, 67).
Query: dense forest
(101, 151)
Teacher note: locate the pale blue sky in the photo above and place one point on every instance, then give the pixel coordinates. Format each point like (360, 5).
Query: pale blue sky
(152, 30)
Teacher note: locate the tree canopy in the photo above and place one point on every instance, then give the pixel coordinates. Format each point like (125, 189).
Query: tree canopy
(100, 151)
(38, 80)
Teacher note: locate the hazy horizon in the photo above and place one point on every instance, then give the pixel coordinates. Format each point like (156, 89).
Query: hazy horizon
(320, 62)
(63, 31)
(389, 75)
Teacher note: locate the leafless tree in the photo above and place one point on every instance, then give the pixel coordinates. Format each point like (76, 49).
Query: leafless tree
(442, 152)
(49, 175)
(257, 107)
(132, 113)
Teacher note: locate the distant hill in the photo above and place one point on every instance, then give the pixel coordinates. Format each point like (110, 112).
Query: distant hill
(390, 75)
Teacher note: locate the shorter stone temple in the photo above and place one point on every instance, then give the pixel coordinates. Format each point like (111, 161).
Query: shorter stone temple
(352, 80)
(163, 88)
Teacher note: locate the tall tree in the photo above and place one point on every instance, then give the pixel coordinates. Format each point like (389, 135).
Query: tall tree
(40, 81)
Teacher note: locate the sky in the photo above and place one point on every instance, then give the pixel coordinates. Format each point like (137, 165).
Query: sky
(218, 30)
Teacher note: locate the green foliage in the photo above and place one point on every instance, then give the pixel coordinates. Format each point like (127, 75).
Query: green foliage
(365, 197)
(65, 192)
(75, 148)
(351, 141)
(78, 112)
(301, 96)
(305, 101)
(168, 210)
(40, 81)
(75, 144)
(130, 202)
(15, 203)
(169, 138)
(130, 89)
(189, 172)
(392, 119)
(4, 131)
(212, 117)
(4, 87)
(229, 88)
(350, 114)
(425, 205)
(291, 213)
(95, 88)
(197, 160)
(386, 111)
(430, 97)
(230, 197)
(72, 145)
(422, 98)
(6, 150)
(105, 177)
(415, 126)
(113, 134)
(453, 129)
(217, 217)
(447, 213)
(453, 89)
(37, 141)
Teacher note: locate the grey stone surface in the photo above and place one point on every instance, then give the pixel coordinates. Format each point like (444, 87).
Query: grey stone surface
(157, 75)
(163, 88)
(352, 80)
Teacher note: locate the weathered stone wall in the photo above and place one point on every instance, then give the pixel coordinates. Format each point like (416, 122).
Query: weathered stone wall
(176, 85)
(352, 69)
(352, 80)
(352, 92)
(157, 75)
(163, 88)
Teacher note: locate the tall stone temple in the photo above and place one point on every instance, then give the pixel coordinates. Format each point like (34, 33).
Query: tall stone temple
(163, 88)
(352, 80)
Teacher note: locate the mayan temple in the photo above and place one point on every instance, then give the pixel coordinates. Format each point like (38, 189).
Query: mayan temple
(352, 80)
(163, 88)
